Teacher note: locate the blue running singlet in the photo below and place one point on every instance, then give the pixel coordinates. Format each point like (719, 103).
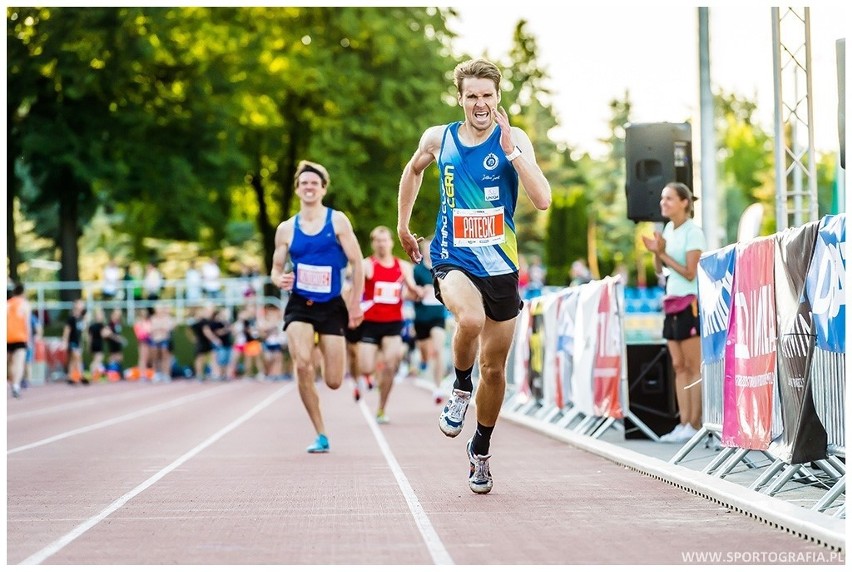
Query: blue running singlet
(318, 261)
(475, 229)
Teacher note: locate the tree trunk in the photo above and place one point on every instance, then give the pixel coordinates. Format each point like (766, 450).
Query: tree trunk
(295, 146)
(12, 192)
(69, 234)
(11, 240)
(267, 230)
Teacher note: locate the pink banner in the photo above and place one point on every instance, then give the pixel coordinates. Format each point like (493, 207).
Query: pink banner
(607, 370)
(750, 362)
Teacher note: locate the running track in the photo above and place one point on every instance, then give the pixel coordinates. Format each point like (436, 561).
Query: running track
(216, 473)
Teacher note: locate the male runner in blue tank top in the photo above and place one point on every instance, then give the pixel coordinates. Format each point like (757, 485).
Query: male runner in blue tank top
(320, 242)
(475, 252)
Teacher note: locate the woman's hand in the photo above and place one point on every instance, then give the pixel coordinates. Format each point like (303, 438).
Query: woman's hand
(657, 244)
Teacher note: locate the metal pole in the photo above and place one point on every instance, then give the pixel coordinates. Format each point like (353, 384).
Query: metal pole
(780, 157)
(709, 202)
(812, 171)
(797, 165)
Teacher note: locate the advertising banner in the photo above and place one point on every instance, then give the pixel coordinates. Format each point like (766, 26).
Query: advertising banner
(825, 285)
(715, 279)
(549, 391)
(585, 345)
(535, 373)
(608, 355)
(803, 437)
(559, 345)
(750, 362)
(521, 353)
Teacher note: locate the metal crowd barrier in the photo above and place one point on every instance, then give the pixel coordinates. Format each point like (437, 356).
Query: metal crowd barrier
(562, 397)
(47, 297)
(827, 380)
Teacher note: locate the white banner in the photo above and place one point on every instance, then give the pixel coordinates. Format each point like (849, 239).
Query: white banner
(585, 346)
(559, 326)
(520, 371)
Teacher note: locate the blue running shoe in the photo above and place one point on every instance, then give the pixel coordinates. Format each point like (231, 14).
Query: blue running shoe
(480, 480)
(452, 416)
(320, 445)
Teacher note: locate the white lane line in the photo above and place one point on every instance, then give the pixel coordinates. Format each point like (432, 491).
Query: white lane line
(64, 541)
(436, 548)
(121, 419)
(133, 394)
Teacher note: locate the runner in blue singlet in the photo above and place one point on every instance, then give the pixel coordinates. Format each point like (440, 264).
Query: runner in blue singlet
(320, 243)
(474, 252)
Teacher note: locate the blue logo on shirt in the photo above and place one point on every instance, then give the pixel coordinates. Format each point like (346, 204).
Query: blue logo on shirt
(490, 162)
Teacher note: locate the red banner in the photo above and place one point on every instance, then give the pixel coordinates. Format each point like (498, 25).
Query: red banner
(750, 358)
(607, 370)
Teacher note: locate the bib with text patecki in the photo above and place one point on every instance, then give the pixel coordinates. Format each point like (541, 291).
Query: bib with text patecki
(478, 227)
(311, 278)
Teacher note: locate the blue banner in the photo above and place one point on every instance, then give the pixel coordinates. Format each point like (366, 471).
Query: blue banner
(715, 282)
(826, 282)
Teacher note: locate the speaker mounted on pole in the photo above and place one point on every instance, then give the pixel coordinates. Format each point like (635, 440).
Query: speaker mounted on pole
(655, 154)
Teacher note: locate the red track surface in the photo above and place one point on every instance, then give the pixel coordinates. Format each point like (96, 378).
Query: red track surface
(216, 473)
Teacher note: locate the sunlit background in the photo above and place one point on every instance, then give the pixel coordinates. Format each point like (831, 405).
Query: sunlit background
(594, 52)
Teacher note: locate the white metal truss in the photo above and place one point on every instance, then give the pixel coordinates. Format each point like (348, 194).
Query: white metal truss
(795, 159)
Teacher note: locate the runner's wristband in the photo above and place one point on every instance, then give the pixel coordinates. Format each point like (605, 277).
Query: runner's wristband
(514, 154)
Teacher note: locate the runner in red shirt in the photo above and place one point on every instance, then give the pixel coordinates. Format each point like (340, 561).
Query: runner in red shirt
(386, 280)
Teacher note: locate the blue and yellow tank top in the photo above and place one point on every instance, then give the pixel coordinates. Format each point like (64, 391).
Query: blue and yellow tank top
(475, 228)
(318, 261)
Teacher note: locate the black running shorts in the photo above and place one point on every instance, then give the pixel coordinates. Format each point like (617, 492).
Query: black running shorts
(681, 326)
(423, 330)
(373, 332)
(353, 336)
(500, 294)
(12, 347)
(328, 318)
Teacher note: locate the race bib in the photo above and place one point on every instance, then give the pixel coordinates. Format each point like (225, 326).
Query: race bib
(310, 278)
(478, 227)
(387, 292)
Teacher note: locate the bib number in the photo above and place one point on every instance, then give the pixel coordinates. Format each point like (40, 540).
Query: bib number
(312, 278)
(387, 292)
(478, 227)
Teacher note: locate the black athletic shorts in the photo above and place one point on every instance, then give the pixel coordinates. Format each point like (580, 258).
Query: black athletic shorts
(353, 336)
(423, 330)
(500, 294)
(328, 318)
(12, 347)
(373, 332)
(681, 326)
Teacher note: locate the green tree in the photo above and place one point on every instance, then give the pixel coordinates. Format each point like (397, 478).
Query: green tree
(745, 154)
(528, 100)
(613, 233)
(170, 116)
(339, 86)
(100, 116)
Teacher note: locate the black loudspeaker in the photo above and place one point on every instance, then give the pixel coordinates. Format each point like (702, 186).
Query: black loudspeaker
(651, 381)
(655, 154)
(841, 98)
